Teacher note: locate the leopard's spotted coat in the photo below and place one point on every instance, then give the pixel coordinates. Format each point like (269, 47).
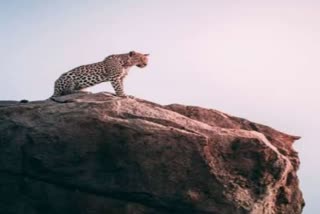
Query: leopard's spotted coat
(113, 68)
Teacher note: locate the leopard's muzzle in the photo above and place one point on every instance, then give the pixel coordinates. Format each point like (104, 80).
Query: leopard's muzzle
(142, 65)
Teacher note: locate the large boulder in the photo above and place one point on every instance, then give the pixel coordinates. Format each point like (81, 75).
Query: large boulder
(98, 153)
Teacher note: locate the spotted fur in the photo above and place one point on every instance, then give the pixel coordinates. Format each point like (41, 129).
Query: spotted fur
(113, 68)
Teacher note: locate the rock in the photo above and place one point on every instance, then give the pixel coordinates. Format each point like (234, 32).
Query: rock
(8, 103)
(24, 101)
(98, 153)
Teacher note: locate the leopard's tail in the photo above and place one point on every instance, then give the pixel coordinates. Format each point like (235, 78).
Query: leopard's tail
(56, 99)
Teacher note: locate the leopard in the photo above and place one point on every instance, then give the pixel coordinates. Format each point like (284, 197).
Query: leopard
(113, 68)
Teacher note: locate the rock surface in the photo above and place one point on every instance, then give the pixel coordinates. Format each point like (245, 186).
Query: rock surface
(97, 153)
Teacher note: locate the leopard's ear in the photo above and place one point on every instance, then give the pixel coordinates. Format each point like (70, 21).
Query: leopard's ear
(146, 54)
(131, 53)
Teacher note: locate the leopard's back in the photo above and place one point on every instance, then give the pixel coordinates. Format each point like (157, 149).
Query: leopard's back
(85, 76)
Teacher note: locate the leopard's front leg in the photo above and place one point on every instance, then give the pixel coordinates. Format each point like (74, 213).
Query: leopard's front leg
(117, 85)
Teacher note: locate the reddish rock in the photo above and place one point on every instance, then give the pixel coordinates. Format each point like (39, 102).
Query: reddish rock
(97, 153)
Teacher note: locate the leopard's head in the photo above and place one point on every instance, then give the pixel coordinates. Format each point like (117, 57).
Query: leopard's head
(139, 59)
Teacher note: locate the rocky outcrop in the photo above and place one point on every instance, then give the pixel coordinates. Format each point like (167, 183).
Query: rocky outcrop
(97, 153)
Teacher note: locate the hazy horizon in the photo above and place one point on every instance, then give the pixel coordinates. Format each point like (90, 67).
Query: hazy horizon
(252, 59)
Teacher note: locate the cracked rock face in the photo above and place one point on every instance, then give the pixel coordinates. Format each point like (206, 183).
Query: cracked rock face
(97, 153)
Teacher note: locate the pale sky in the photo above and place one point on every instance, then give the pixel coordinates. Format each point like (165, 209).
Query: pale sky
(253, 59)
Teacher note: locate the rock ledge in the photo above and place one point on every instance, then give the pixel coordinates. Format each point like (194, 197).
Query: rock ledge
(97, 153)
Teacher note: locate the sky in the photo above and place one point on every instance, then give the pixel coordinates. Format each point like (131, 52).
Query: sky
(257, 59)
